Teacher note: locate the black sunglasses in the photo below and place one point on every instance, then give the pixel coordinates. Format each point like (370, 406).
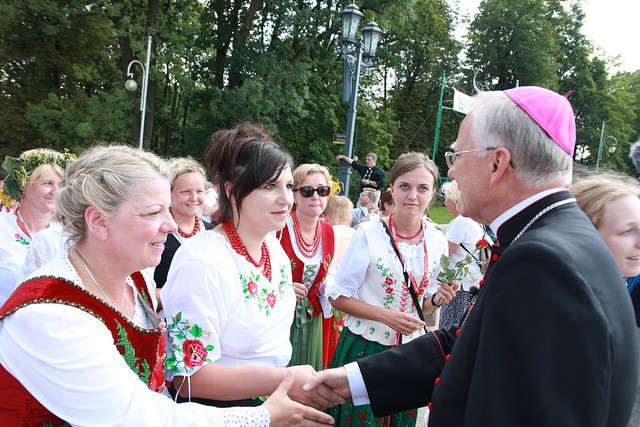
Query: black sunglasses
(307, 191)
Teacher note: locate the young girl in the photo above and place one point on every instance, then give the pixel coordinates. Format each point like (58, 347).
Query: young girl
(370, 286)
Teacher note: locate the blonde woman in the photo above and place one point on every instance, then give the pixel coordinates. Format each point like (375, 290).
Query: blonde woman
(612, 203)
(98, 356)
(309, 243)
(33, 179)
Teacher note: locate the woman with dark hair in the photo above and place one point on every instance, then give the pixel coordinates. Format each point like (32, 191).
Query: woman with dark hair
(234, 283)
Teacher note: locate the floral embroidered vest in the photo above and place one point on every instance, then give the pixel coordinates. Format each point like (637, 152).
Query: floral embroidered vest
(297, 266)
(142, 349)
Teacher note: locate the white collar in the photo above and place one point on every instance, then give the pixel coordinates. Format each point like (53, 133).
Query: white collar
(512, 211)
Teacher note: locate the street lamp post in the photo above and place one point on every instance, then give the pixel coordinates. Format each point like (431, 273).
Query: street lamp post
(358, 55)
(132, 86)
(611, 150)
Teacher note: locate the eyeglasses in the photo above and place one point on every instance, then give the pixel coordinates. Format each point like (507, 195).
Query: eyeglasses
(452, 157)
(307, 191)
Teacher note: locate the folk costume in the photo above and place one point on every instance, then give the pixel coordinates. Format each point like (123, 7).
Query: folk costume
(549, 341)
(313, 335)
(171, 245)
(87, 361)
(371, 272)
(14, 241)
(243, 315)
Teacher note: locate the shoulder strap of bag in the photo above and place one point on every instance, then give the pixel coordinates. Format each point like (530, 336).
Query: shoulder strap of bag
(412, 291)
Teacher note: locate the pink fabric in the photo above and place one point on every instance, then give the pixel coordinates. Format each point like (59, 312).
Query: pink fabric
(551, 111)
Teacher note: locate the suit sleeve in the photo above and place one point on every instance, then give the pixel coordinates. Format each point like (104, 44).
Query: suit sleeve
(402, 378)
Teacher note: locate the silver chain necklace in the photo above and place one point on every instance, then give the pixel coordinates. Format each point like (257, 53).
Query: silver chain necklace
(542, 212)
(86, 267)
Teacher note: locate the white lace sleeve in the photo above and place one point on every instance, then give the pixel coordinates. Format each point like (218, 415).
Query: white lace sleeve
(245, 417)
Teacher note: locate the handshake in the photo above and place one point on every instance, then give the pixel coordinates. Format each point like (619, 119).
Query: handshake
(304, 393)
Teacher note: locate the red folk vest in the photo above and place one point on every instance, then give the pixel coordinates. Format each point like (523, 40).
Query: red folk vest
(142, 349)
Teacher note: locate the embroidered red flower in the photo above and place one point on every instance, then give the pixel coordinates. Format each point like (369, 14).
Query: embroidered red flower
(482, 243)
(271, 300)
(388, 281)
(195, 353)
(252, 287)
(389, 290)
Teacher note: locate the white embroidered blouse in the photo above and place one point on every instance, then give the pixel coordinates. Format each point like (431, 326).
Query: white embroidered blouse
(243, 318)
(371, 272)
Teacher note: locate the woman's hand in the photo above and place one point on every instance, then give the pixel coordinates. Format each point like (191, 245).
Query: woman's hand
(301, 291)
(446, 292)
(321, 398)
(285, 412)
(403, 323)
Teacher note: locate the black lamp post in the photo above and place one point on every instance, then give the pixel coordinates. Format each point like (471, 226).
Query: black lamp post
(358, 55)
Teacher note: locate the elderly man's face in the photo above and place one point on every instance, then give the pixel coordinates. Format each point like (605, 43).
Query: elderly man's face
(370, 162)
(467, 171)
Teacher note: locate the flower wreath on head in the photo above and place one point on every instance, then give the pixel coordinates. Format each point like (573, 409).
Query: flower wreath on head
(19, 168)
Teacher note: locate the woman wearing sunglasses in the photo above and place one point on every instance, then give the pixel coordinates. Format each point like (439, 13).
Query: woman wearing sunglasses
(372, 289)
(309, 243)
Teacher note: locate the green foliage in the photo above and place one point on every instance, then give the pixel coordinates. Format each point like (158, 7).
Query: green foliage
(216, 63)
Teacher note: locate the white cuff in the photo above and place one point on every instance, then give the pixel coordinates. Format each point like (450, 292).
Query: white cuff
(359, 393)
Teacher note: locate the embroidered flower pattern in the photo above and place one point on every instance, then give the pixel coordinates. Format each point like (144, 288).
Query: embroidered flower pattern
(388, 283)
(265, 296)
(193, 352)
(21, 240)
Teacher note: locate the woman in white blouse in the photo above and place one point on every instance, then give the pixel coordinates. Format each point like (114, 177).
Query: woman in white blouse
(370, 287)
(79, 340)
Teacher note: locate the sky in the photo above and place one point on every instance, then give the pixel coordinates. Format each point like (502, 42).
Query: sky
(609, 24)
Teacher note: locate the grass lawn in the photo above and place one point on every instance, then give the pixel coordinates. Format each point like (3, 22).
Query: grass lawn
(438, 213)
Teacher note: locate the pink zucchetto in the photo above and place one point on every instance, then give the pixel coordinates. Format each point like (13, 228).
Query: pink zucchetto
(551, 111)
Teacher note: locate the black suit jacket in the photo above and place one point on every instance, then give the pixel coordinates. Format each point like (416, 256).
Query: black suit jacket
(550, 340)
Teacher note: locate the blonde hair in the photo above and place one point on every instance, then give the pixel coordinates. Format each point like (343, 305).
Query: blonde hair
(593, 194)
(413, 160)
(306, 169)
(338, 210)
(182, 165)
(105, 178)
(452, 192)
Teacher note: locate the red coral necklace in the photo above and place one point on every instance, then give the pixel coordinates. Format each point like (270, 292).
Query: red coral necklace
(236, 243)
(308, 249)
(196, 229)
(21, 223)
(425, 276)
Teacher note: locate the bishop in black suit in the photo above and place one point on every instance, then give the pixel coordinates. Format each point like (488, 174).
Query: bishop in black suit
(550, 337)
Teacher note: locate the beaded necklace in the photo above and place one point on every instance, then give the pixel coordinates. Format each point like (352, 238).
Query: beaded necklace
(196, 230)
(21, 223)
(307, 249)
(425, 276)
(236, 243)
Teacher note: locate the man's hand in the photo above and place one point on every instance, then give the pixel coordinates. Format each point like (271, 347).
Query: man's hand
(285, 412)
(335, 379)
(321, 397)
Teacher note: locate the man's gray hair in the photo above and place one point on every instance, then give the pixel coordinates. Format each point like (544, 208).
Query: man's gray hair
(373, 156)
(500, 122)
